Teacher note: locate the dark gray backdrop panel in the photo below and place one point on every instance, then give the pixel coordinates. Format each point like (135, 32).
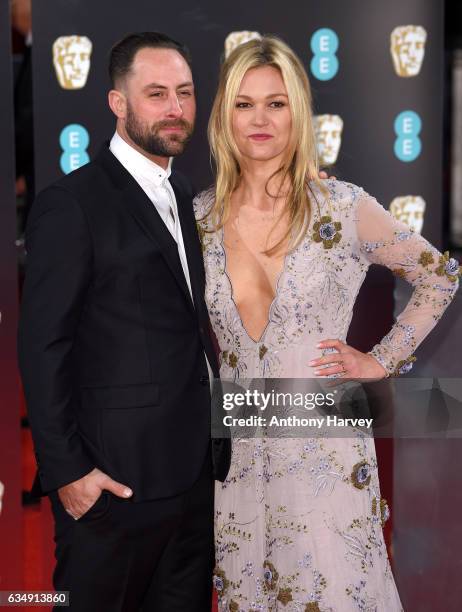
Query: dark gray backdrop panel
(366, 91)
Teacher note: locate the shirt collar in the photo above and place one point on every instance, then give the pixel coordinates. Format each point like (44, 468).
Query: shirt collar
(138, 164)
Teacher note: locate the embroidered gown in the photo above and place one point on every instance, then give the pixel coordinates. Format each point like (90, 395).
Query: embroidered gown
(298, 522)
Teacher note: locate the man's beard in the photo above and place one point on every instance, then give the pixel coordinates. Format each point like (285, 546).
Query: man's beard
(149, 139)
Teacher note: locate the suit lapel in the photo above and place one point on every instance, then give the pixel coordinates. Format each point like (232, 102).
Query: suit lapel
(196, 268)
(145, 214)
(190, 239)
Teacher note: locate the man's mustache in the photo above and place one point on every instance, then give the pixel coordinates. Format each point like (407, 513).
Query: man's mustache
(181, 123)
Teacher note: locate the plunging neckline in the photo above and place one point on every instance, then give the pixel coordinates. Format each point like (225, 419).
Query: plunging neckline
(231, 291)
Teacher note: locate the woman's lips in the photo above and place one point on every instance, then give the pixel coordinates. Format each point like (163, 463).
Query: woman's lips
(260, 137)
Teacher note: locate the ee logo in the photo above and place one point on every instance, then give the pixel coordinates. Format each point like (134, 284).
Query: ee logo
(324, 44)
(408, 145)
(74, 140)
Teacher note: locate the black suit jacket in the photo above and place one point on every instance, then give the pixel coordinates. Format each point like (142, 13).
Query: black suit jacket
(111, 346)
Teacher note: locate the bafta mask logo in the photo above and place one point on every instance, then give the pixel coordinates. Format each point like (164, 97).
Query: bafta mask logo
(235, 39)
(408, 49)
(2, 490)
(328, 129)
(409, 210)
(71, 59)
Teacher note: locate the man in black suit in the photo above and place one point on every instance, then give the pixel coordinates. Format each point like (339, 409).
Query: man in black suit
(116, 356)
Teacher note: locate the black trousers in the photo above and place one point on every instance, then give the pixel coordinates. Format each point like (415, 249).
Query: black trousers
(153, 556)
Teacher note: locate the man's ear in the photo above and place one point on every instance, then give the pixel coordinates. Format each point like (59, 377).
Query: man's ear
(118, 103)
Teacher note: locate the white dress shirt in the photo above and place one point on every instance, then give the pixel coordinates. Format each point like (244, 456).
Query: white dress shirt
(153, 180)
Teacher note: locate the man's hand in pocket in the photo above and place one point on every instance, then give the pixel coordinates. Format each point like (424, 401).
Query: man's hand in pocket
(79, 496)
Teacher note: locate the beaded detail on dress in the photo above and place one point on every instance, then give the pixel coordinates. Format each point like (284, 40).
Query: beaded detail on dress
(298, 522)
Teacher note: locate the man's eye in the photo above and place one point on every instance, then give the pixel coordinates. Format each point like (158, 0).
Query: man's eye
(155, 94)
(186, 93)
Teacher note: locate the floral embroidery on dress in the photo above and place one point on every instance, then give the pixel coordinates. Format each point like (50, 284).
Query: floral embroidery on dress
(230, 359)
(270, 574)
(285, 595)
(291, 509)
(448, 266)
(426, 258)
(327, 231)
(360, 475)
(382, 508)
(404, 366)
(400, 272)
(364, 603)
(220, 582)
(312, 606)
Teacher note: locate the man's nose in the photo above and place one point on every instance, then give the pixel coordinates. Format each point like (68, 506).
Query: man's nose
(174, 109)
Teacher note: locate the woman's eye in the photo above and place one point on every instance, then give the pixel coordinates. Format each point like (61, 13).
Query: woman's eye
(277, 104)
(242, 105)
(185, 94)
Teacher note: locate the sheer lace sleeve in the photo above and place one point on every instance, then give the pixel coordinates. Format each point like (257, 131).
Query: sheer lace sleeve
(434, 276)
(202, 204)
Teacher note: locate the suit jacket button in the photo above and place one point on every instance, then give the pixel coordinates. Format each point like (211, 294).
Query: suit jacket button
(204, 380)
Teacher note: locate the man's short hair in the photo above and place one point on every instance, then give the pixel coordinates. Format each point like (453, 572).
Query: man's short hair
(123, 52)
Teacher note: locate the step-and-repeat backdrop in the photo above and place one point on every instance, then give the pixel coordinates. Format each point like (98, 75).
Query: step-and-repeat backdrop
(375, 69)
(10, 474)
(376, 72)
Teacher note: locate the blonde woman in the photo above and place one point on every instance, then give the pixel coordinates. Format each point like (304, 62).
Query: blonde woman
(299, 521)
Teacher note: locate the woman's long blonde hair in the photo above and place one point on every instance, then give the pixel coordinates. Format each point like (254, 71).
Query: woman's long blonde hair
(301, 162)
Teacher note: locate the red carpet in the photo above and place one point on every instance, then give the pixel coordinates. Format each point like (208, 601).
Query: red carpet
(38, 533)
(38, 523)
(38, 553)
